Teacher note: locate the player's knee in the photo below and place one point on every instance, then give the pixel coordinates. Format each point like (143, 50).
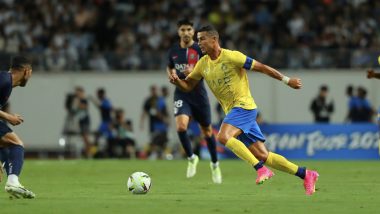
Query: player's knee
(262, 155)
(207, 131)
(181, 128)
(222, 138)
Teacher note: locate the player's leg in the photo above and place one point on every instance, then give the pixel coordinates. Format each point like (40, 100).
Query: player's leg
(182, 122)
(216, 173)
(4, 163)
(202, 114)
(227, 136)
(233, 134)
(16, 159)
(279, 162)
(182, 114)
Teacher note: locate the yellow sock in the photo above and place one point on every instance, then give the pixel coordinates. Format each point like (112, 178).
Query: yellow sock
(281, 163)
(240, 150)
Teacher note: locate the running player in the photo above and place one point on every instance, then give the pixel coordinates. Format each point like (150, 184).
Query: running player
(11, 146)
(194, 104)
(225, 73)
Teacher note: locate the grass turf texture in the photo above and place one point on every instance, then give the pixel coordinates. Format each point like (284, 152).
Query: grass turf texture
(100, 187)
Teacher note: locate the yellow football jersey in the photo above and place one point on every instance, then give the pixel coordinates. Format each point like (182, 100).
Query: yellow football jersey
(227, 78)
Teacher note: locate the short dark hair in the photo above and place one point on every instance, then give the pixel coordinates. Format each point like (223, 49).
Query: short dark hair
(19, 62)
(324, 88)
(209, 29)
(101, 91)
(184, 22)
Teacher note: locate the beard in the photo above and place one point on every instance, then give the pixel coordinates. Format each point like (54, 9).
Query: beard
(186, 39)
(23, 82)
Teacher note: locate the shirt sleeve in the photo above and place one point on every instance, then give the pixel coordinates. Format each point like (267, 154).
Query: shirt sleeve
(197, 71)
(242, 61)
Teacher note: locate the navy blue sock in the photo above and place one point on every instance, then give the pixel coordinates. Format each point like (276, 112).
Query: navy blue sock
(301, 172)
(16, 159)
(259, 165)
(186, 144)
(211, 145)
(4, 159)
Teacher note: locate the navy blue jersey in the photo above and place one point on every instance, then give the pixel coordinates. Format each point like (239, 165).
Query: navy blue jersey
(5, 87)
(106, 110)
(179, 58)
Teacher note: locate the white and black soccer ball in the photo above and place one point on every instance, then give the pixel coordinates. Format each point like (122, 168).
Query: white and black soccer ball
(139, 183)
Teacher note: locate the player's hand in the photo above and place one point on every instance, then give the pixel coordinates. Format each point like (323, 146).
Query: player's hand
(173, 76)
(15, 119)
(295, 83)
(370, 73)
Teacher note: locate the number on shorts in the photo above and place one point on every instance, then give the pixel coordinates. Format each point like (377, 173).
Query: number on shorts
(177, 104)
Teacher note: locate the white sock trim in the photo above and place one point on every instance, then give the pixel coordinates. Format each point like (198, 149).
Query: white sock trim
(215, 165)
(191, 157)
(13, 180)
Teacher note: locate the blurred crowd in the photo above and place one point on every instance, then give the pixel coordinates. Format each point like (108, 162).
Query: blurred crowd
(103, 35)
(115, 135)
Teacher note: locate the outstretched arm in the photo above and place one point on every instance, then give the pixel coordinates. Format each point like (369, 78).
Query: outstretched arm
(185, 85)
(371, 74)
(292, 82)
(13, 119)
(94, 101)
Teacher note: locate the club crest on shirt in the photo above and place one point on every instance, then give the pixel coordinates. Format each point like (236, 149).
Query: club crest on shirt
(192, 56)
(206, 70)
(223, 67)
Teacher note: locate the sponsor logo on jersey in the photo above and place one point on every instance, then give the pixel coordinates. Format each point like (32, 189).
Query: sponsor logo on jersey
(180, 67)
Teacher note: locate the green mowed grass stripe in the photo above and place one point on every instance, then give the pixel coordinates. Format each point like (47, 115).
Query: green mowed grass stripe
(92, 186)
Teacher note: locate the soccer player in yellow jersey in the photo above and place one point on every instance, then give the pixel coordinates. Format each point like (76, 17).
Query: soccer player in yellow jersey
(225, 73)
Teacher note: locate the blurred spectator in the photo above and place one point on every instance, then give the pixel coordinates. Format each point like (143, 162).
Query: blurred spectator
(322, 106)
(69, 124)
(55, 59)
(362, 111)
(352, 100)
(122, 142)
(98, 63)
(312, 34)
(155, 107)
(104, 106)
(80, 106)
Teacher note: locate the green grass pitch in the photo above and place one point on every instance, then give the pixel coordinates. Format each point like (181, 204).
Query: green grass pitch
(92, 186)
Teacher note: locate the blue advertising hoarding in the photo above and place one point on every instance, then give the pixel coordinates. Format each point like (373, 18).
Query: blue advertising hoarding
(318, 141)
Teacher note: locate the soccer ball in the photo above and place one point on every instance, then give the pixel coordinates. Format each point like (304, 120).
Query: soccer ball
(139, 183)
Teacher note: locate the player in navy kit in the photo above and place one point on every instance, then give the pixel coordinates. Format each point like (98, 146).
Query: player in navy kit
(194, 104)
(11, 146)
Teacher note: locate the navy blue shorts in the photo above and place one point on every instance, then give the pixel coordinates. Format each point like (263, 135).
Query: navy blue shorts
(4, 129)
(200, 112)
(245, 120)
